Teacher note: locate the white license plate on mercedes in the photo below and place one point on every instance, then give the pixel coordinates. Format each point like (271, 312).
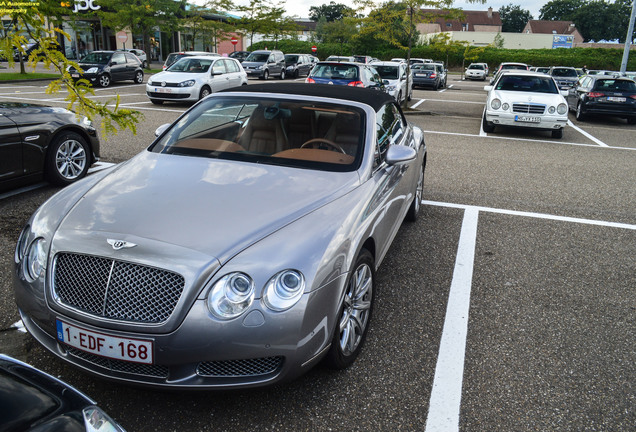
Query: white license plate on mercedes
(528, 119)
(114, 347)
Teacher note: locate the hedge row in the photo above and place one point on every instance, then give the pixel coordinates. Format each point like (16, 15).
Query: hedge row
(593, 58)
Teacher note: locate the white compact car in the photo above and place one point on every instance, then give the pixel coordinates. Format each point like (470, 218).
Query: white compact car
(525, 99)
(193, 78)
(394, 76)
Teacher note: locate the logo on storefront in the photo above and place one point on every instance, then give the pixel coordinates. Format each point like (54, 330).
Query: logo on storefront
(83, 5)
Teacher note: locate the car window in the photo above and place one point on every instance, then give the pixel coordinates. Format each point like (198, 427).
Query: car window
(131, 58)
(219, 67)
(313, 135)
(615, 85)
(232, 65)
(96, 58)
(387, 72)
(190, 65)
(538, 84)
(564, 72)
(476, 66)
(257, 57)
(389, 130)
(336, 71)
(119, 58)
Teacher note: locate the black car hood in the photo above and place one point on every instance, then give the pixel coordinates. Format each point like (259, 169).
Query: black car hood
(18, 109)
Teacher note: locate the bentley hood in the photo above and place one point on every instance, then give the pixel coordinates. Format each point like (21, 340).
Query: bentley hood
(216, 207)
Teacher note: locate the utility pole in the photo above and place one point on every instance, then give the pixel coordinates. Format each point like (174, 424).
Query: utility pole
(628, 39)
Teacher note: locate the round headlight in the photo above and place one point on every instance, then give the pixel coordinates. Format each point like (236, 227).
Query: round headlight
(505, 106)
(551, 110)
(562, 108)
(284, 290)
(188, 83)
(20, 248)
(495, 104)
(231, 295)
(36, 260)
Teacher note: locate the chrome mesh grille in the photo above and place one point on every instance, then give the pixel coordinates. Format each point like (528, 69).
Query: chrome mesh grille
(528, 108)
(116, 289)
(156, 371)
(240, 368)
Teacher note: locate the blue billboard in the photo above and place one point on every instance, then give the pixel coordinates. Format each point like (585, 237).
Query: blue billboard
(562, 41)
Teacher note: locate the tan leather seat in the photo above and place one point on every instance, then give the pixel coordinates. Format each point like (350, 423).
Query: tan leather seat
(262, 135)
(345, 131)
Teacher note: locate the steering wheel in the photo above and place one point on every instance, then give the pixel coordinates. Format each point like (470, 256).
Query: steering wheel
(318, 143)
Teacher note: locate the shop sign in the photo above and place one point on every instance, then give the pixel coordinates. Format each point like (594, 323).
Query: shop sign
(562, 41)
(83, 5)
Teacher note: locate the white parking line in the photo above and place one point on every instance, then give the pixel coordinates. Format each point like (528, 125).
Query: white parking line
(445, 402)
(596, 140)
(446, 395)
(421, 101)
(527, 139)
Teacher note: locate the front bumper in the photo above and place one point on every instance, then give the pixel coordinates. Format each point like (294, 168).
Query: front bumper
(183, 94)
(546, 121)
(259, 348)
(472, 75)
(254, 72)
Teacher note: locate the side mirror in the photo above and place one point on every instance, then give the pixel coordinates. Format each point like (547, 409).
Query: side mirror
(214, 73)
(397, 154)
(161, 129)
(565, 92)
(112, 63)
(488, 88)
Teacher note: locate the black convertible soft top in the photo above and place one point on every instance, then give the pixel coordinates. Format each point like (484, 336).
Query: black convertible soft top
(374, 98)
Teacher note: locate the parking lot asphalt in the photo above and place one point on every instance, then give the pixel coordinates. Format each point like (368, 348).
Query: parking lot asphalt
(509, 305)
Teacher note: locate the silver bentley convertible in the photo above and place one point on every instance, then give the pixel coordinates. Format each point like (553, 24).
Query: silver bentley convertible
(238, 250)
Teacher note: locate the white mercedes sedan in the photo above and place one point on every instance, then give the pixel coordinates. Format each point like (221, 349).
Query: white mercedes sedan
(525, 99)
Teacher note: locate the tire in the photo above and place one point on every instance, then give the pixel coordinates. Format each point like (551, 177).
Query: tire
(414, 210)
(282, 74)
(103, 80)
(265, 75)
(139, 77)
(557, 133)
(354, 315)
(67, 159)
(486, 125)
(205, 91)
(580, 114)
(156, 101)
(144, 64)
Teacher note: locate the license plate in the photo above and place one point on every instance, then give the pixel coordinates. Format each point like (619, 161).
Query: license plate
(114, 347)
(616, 99)
(74, 75)
(528, 119)
(421, 75)
(162, 90)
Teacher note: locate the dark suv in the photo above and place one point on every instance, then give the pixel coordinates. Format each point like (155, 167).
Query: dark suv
(565, 76)
(264, 63)
(105, 67)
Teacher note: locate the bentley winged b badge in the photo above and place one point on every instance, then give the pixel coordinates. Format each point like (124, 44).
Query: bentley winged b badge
(120, 244)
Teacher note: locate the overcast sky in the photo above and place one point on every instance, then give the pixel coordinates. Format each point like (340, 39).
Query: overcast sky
(300, 8)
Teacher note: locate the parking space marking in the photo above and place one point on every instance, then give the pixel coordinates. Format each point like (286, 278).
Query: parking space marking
(421, 101)
(527, 139)
(445, 401)
(581, 131)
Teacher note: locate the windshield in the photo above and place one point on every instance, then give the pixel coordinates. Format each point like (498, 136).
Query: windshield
(387, 72)
(563, 72)
(615, 85)
(335, 71)
(537, 84)
(475, 66)
(323, 136)
(290, 59)
(514, 66)
(257, 57)
(97, 58)
(424, 66)
(191, 65)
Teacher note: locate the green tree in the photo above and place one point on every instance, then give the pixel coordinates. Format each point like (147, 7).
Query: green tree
(513, 18)
(203, 24)
(278, 26)
(141, 16)
(559, 10)
(255, 19)
(330, 12)
(34, 27)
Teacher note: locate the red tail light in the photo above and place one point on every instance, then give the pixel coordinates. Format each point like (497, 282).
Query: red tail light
(633, 96)
(356, 84)
(310, 81)
(595, 94)
(433, 75)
